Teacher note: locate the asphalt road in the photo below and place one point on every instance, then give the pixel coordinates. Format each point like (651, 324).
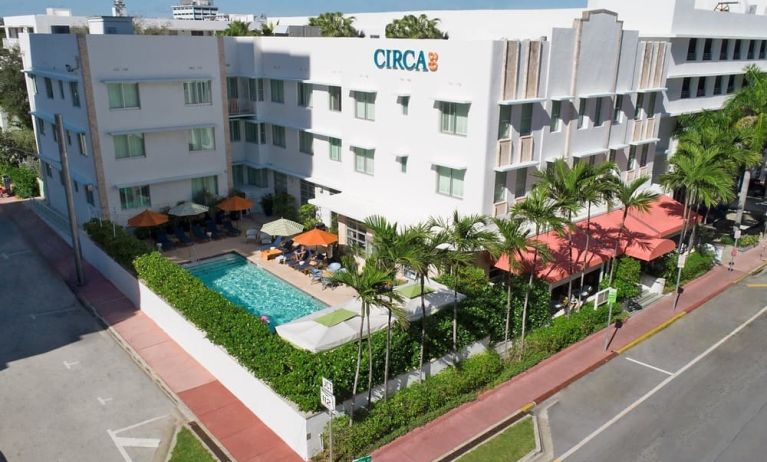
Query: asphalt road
(696, 391)
(68, 392)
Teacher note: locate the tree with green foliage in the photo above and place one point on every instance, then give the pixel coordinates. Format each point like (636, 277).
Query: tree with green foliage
(307, 216)
(17, 146)
(236, 29)
(13, 87)
(415, 27)
(335, 24)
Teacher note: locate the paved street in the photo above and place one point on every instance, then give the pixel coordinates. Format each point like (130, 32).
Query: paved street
(695, 391)
(68, 392)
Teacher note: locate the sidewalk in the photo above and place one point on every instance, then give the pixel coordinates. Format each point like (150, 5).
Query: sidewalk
(470, 420)
(235, 427)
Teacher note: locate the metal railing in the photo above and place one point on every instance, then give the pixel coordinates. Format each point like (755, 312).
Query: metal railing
(239, 106)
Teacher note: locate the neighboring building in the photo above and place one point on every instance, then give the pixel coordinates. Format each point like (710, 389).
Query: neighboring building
(195, 10)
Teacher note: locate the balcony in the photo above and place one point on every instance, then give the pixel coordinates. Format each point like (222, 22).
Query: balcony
(519, 156)
(500, 209)
(240, 106)
(643, 129)
(630, 175)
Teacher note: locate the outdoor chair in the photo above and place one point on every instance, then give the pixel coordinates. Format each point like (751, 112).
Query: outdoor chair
(328, 281)
(269, 245)
(213, 230)
(182, 236)
(199, 234)
(316, 275)
(252, 235)
(161, 238)
(231, 230)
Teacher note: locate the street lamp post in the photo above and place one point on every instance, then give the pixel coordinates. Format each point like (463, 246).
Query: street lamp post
(61, 137)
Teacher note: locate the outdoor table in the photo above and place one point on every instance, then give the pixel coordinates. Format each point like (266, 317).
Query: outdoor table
(270, 254)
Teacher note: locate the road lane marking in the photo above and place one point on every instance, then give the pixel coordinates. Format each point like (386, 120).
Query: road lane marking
(103, 401)
(69, 364)
(659, 387)
(125, 442)
(34, 316)
(649, 366)
(756, 286)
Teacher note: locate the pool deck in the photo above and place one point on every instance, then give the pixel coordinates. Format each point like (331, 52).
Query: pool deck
(330, 296)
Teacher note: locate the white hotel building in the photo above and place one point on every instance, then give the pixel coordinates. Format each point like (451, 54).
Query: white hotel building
(359, 126)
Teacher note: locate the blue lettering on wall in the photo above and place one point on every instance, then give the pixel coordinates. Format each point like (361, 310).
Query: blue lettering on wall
(407, 60)
(379, 58)
(408, 63)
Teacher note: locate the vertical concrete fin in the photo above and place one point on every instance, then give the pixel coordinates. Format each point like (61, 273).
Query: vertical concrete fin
(225, 109)
(511, 70)
(533, 69)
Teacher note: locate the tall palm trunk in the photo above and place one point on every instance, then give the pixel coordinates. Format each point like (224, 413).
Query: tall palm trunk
(357, 369)
(423, 327)
(455, 308)
(685, 218)
(694, 228)
(508, 309)
(588, 243)
(370, 363)
(570, 259)
(386, 357)
(617, 245)
(527, 296)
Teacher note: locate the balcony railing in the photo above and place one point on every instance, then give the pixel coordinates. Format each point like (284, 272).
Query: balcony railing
(631, 175)
(500, 209)
(508, 156)
(241, 106)
(643, 129)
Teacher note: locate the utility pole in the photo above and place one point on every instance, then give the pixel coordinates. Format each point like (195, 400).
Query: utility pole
(64, 157)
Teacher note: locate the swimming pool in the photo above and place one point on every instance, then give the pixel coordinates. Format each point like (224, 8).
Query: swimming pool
(262, 293)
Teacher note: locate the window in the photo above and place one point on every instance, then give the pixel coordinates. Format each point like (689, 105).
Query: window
(335, 149)
(234, 130)
(598, 112)
(751, 44)
(48, 88)
(651, 105)
(582, 113)
(723, 51)
(356, 234)
(204, 187)
(618, 109)
(404, 102)
(692, 49)
(612, 155)
(707, 49)
(762, 49)
(256, 89)
(48, 170)
(305, 142)
(307, 190)
(701, 87)
(201, 139)
(520, 187)
(718, 85)
(730, 84)
(278, 136)
(237, 173)
(232, 90)
(499, 191)
(260, 89)
(526, 122)
(453, 118)
(736, 50)
(277, 88)
(251, 132)
(81, 145)
(258, 177)
(402, 163)
(40, 125)
(334, 99)
(262, 132)
(89, 195)
(643, 156)
(638, 107)
(280, 183)
(504, 123)
(450, 181)
(556, 116)
(304, 94)
(135, 197)
(75, 94)
(685, 88)
(197, 92)
(55, 132)
(632, 160)
(363, 160)
(33, 83)
(127, 146)
(123, 95)
(61, 177)
(69, 137)
(61, 88)
(364, 105)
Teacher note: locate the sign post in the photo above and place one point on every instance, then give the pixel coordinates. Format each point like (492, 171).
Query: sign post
(329, 402)
(612, 297)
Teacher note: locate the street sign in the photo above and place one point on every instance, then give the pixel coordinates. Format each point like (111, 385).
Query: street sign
(327, 385)
(612, 296)
(327, 399)
(364, 459)
(737, 233)
(682, 260)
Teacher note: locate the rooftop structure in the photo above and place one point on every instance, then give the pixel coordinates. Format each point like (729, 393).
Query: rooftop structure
(195, 10)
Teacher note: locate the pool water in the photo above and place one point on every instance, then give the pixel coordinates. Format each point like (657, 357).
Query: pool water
(262, 293)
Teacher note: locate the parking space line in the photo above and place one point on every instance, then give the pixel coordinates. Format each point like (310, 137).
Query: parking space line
(660, 386)
(34, 316)
(649, 366)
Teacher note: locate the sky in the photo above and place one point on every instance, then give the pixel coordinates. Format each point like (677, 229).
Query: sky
(161, 8)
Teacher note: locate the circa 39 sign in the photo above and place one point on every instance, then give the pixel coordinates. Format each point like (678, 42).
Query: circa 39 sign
(406, 60)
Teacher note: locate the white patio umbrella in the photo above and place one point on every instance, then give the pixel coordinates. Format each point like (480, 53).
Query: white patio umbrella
(310, 335)
(187, 209)
(282, 227)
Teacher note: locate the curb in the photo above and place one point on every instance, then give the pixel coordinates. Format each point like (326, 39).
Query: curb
(559, 387)
(651, 332)
(486, 434)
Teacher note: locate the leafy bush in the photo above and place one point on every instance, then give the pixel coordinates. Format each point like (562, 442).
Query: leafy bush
(285, 206)
(726, 239)
(697, 264)
(748, 240)
(307, 215)
(116, 242)
(267, 204)
(24, 179)
(627, 277)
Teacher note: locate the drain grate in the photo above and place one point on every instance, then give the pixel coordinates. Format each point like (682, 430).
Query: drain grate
(212, 446)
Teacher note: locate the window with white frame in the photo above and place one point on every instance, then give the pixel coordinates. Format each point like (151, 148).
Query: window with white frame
(335, 149)
(520, 186)
(251, 132)
(232, 88)
(135, 197)
(364, 160)
(364, 105)
(526, 120)
(61, 90)
(123, 95)
(631, 164)
(277, 90)
(234, 130)
(334, 99)
(598, 112)
(40, 125)
(197, 92)
(33, 83)
(450, 181)
(499, 191)
(305, 94)
(48, 87)
(130, 145)
(618, 109)
(504, 123)
(278, 136)
(204, 187)
(262, 132)
(651, 105)
(75, 92)
(201, 139)
(69, 137)
(556, 116)
(404, 102)
(237, 174)
(638, 107)
(305, 142)
(308, 191)
(280, 183)
(81, 144)
(257, 177)
(454, 118)
(356, 234)
(582, 113)
(89, 195)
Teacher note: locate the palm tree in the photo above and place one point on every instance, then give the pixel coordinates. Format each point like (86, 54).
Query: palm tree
(459, 238)
(565, 185)
(415, 27)
(266, 29)
(368, 283)
(631, 197)
(335, 24)
(514, 240)
(539, 211)
(389, 249)
(237, 29)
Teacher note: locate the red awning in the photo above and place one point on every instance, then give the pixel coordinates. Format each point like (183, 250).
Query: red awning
(643, 238)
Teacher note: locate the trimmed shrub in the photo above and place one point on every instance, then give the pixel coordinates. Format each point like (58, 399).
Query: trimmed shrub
(307, 215)
(285, 207)
(116, 242)
(24, 179)
(748, 240)
(697, 264)
(627, 277)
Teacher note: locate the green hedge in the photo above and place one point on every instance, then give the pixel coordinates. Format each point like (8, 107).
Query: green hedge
(116, 242)
(697, 264)
(627, 276)
(24, 179)
(423, 402)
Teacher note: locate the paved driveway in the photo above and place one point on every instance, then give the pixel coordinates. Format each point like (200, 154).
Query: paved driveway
(696, 391)
(68, 392)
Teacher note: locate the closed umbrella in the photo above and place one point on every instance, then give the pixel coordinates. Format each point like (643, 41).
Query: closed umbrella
(282, 227)
(147, 219)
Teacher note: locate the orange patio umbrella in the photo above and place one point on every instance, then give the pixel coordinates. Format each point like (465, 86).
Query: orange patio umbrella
(235, 204)
(315, 237)
(147, 219)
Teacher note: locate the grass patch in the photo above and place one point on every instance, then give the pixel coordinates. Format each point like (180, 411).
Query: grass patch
(508, 446)
(189, 449)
